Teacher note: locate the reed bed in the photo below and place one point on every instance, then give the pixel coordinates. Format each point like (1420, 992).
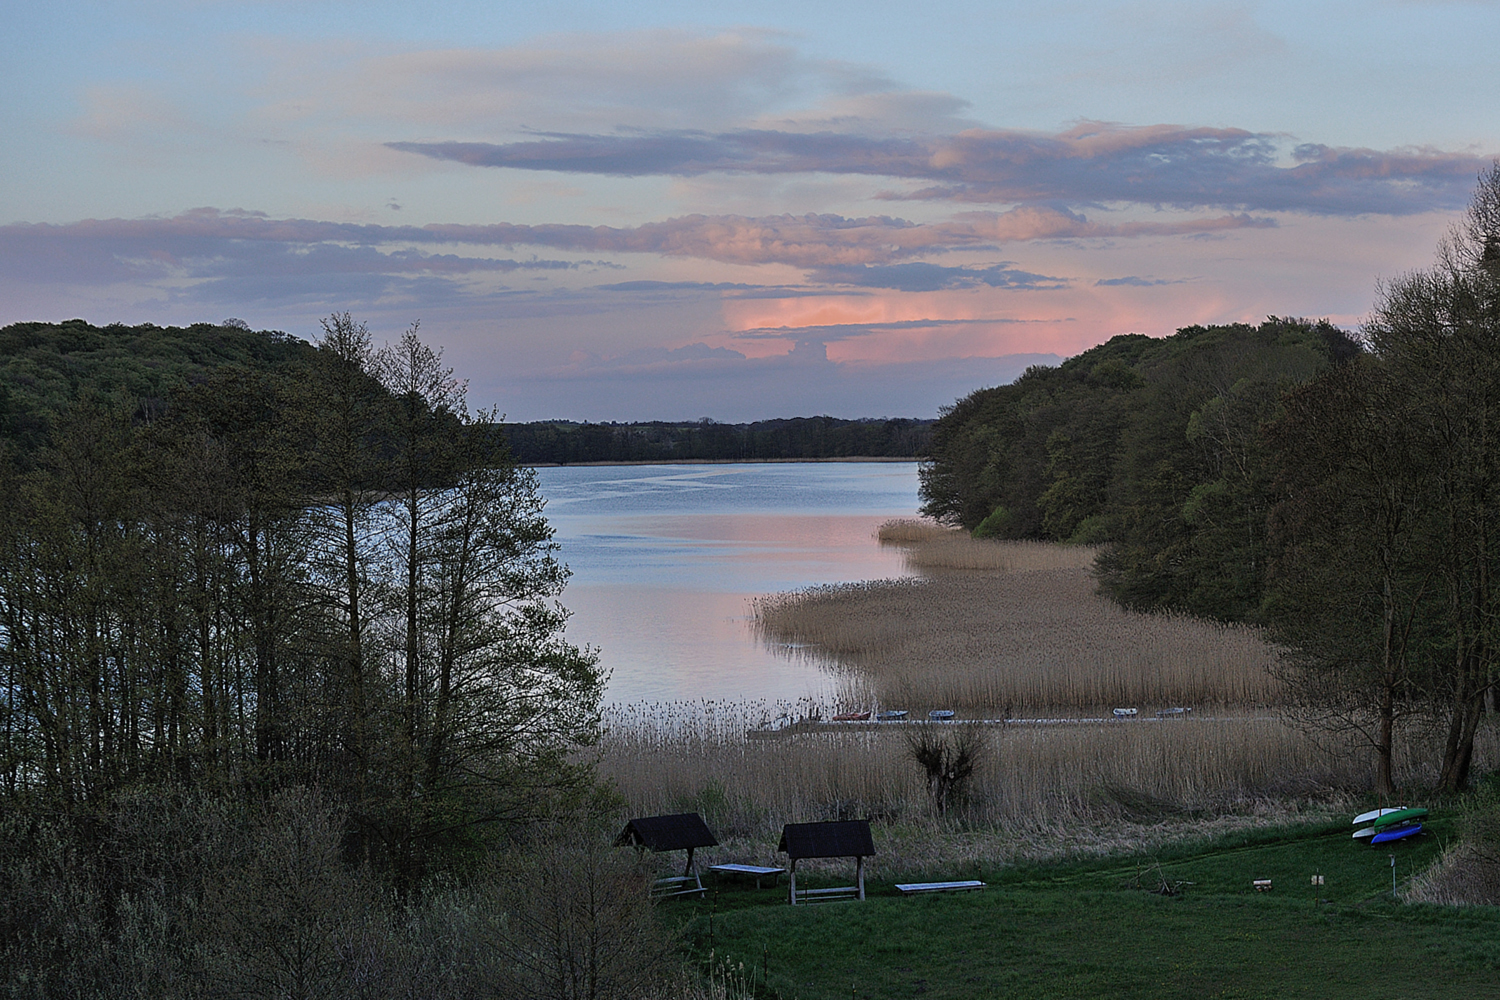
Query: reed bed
(905, 531)
(930, 547)
(1021, 641)
(674, 758)
(1026, 635)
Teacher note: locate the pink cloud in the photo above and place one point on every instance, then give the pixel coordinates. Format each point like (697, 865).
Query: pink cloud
(804, 241)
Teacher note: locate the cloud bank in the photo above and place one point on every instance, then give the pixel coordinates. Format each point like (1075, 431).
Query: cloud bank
(1091, 163)
(207, 243)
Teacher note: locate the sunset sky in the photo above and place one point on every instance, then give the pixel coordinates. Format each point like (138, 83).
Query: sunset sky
(660, 211)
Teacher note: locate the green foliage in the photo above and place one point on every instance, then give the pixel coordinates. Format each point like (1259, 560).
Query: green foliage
(995, 525)
(1151, 445)
(45, 367)
(323, 574)
(1386, 526)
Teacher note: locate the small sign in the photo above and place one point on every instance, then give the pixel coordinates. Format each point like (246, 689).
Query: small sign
(1317, 880)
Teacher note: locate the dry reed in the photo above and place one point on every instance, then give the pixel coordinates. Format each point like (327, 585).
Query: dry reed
(1465, 875)
(904, 531)
(1031, 640)
(930, 547)
(995, 630)
(1068, 785)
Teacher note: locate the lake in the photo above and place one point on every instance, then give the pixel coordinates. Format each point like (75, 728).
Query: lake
(667, 558)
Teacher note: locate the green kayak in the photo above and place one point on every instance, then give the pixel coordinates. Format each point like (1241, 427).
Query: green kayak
(1398, 817)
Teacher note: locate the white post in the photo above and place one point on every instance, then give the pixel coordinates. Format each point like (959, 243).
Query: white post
(793, 877)
(859, 869)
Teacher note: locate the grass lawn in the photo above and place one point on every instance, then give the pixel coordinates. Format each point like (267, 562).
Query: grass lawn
(1089, 929)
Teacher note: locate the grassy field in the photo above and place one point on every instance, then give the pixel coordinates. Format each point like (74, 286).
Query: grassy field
(1094, 928)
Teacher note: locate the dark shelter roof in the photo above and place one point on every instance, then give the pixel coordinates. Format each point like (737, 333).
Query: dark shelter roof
(848, 839)
(667, 833)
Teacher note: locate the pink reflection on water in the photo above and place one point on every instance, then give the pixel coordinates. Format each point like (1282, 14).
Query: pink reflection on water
(678, 628)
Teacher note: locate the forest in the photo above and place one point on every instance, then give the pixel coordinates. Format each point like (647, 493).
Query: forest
(289, 625)
(45, 367)
(1340, 490)
(562, 442)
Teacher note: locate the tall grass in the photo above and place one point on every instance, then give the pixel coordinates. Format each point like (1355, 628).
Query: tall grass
(675, 757)
(930, 547)
(1020, 641)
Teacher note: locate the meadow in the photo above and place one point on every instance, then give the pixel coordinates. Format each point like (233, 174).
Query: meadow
(1181, 922)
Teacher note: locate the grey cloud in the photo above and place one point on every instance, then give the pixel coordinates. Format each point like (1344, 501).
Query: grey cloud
(1092, 163)
(716, 289)
(689, 153)
(833, 332)
(677, 286)
(919, 276)
(206, 245)
(220, 245)
(691, 361)
(1135, 282)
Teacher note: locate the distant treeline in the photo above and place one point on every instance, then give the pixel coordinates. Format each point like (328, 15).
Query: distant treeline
(45, 367)
(566, 442)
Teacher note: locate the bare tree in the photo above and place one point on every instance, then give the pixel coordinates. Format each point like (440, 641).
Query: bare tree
(948, 757)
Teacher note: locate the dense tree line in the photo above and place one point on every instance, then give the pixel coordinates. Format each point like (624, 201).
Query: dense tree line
(319, 572)
(564, 442)
(46, 367)
(1344, 492)
(1148, 444)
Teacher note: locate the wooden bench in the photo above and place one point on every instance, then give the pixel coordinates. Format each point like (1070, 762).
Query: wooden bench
(758, 871)
(828, 895)
(912, 888)
(677, 885)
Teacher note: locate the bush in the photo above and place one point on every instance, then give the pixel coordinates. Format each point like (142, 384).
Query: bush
(1468, 874)
(575, 922)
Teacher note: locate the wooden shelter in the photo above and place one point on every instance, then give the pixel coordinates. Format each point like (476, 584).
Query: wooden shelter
(846, 839)
(679, 832)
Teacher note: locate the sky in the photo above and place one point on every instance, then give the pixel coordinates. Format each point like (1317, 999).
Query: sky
(662, 210)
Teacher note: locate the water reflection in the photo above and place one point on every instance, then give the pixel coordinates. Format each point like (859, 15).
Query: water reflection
(666, 560)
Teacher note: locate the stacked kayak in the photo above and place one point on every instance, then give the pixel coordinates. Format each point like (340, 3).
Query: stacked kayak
(1387, 825)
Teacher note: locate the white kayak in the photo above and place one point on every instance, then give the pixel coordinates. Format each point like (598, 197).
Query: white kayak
(1375, 814)
(1368, 831)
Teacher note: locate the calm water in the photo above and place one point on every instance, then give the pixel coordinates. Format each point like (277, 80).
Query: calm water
(666, 559)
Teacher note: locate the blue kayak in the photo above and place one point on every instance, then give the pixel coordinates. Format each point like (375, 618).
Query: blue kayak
(1400, 833)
